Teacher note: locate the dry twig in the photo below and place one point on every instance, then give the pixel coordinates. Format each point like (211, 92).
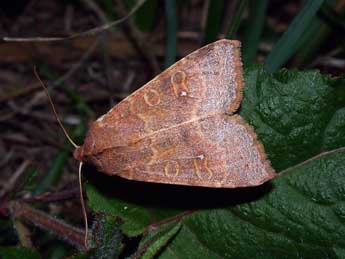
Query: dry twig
(11, 183)
(93, 31)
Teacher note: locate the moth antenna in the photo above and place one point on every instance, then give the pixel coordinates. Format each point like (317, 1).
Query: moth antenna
(53, 108)
(75, 146)
(83, 206)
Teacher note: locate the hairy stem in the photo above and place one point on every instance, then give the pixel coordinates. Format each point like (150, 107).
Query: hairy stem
(44, 221)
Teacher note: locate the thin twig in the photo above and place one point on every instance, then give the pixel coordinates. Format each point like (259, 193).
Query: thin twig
(6, 158)
(93, 31)
(14, 178)
(129, 80)
(20, 93)
(54, 197)
(24, 234)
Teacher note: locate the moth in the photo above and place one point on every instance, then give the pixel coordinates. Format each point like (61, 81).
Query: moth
(180, 128)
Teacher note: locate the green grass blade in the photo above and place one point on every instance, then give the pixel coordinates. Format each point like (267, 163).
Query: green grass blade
(253, 30)
(235, 24)
(146, 16)
(213, 23)
(329, 20)
(171, 30)
(310, 42)
(287, 44)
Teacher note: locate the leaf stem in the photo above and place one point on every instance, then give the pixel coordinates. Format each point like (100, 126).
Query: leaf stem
(44, 221)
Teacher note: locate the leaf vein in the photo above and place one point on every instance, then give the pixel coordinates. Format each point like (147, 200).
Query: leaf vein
(201, 243)
(280, 234)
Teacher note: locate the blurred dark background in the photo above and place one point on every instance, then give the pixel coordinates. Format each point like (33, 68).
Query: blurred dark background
(88, 74)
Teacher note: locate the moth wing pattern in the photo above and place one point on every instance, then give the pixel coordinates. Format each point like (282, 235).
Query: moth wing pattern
(214, 151)
(207, 81)
(179, 128)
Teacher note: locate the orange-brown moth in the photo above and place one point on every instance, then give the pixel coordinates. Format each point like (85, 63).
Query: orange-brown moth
(180, 127)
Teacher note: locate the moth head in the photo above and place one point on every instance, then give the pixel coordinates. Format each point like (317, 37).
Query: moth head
(78, 153)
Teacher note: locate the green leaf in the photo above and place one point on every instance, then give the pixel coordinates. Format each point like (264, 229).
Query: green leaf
(288, 43)
(18, 253)
(136, 217)
(301, 216)
(334, 132)
(293, 113)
